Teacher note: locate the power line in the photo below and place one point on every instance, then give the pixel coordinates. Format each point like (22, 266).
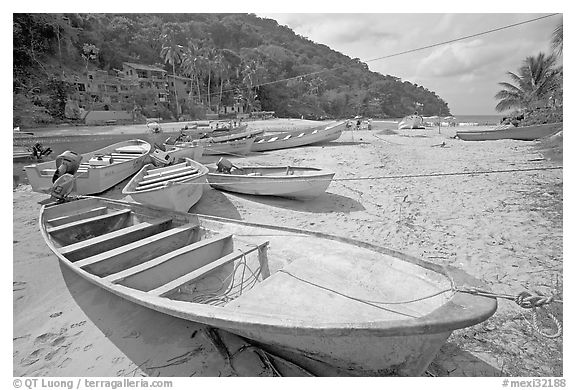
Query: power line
(407, 51)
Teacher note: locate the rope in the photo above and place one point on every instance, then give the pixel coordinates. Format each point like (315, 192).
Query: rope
(526, 300)
(440, 174)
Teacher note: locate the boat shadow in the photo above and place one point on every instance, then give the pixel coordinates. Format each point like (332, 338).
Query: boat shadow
(453, 361)
(157, 344)
(326, 203)
(215, 203)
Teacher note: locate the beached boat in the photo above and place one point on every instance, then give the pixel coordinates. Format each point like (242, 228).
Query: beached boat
(318, 300)
(411, 122)
(99, 170)
(175, 154)
(525, 133)
(294, 138)
(177, 187)
(188, 134)
(285, 181)
(234, 147)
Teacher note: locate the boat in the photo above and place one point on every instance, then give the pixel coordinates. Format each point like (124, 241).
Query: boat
(233, 147)
(98, 171)
(188, 134)
(315, 299)
(284, 181)
(295, 138)
(522, 133)
(21, 152)
(414, 121)
(176, 187)
(175, 154)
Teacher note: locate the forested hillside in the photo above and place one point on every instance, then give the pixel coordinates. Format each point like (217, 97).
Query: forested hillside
(229, 58)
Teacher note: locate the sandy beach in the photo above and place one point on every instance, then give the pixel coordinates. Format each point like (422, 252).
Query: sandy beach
(502, 228)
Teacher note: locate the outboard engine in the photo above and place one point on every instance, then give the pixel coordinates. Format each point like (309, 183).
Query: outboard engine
(62, 187)
(224, 166)
(67, 162)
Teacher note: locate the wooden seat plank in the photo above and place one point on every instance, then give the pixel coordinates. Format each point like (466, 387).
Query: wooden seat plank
(112, 259)
(62, 220)
(163, 183)
(114, 239)
(199, 273)
(117, 277)
(76, 224)
(187, 172)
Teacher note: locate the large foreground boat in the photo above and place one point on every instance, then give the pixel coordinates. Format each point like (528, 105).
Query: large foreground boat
(98, 170)
(318, 300)
(522, 133)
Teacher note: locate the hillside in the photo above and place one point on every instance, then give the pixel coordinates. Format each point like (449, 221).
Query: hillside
(228, 58)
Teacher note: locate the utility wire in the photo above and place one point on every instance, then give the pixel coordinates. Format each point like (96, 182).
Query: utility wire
(404, 52)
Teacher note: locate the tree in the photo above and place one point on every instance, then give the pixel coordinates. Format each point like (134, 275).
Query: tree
(534, 83)
(172, 54)
(557, 40)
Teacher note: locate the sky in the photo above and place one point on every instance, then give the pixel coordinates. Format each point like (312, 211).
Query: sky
(465, 73)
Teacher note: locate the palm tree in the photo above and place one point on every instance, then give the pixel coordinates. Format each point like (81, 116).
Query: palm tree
(209, 55)
(172, 54)
(191, 67)
(534, 83)
(557, 39)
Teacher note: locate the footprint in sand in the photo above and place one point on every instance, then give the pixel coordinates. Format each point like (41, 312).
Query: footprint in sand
(18, 286)
(58, 340)
(57, 314)
(44, 337)
(117, 359)
(81, 323)
(32, 358)
(88, 347)
(64, 363)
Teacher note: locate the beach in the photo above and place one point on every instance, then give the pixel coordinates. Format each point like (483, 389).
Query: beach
(493, 209)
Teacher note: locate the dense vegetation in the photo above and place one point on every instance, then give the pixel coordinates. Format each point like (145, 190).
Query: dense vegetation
(228, 57)
(535, 92)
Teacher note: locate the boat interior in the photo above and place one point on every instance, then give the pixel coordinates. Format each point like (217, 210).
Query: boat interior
(149, 179)
(174, 255)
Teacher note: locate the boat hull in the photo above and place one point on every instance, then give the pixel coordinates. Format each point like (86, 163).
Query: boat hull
(527, 133)
(411, 122)
(172, 195)
(93, 179)
(319, 300)
(234, 147)
(306, 183)
(292, 139)
(175, 154)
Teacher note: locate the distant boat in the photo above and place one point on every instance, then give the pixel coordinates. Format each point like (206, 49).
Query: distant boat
(175, 154)
(525, 133)
(321, 301)
(177, 187)
(285, 181)
(240, 146)
(294, 138)
(411, 122)
(99, 171)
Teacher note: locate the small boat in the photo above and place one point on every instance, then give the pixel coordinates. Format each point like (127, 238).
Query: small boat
(233, 147)
(318, 300)
(525, 133)
(216, 134)
(285, 181)
(294, 138)
(99, 170)
(414, 121)
(177, 187)
(175, 154)
(21, 152)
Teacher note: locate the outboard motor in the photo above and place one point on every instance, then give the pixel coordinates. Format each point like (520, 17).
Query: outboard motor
(67, 162)
(224, 166)
(62, 187)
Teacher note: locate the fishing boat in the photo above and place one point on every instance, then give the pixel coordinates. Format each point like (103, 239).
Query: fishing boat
(233, 147)
(315, 299)
(176, 187)
(522, 133)
(175, 154)
(294, 138)
(98, 171)
(284, 181)
(414, 121)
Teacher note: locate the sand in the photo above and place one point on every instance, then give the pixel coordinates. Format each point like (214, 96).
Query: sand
(502, 228)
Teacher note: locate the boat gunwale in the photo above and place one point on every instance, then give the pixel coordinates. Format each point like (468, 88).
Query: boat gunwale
(460, 311)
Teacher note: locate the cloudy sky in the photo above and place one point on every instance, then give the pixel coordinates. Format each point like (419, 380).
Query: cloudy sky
(465, 73)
